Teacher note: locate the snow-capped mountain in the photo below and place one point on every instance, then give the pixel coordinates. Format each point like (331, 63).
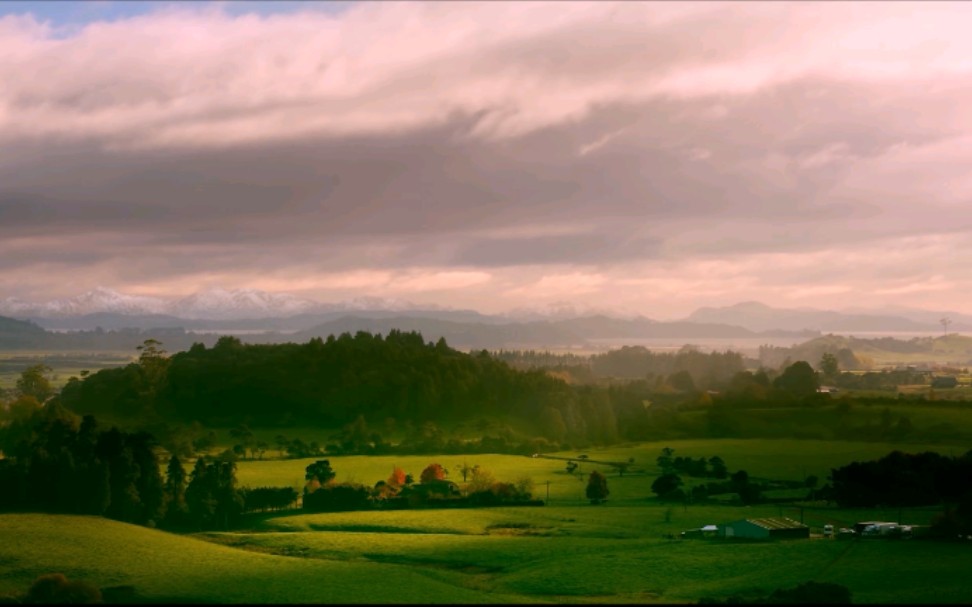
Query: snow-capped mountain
(211, 304)
(97, 300)
(222, 304)
(563, 310)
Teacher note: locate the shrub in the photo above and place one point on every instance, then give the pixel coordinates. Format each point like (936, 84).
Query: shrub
(56, 589)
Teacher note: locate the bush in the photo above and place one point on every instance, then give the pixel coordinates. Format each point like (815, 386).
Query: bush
(55, 589)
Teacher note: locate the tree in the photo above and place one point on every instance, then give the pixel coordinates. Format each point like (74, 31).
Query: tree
(200, 500)
(597, 489)
(666, 485)
(34, 382)
(153, 361)
(682, 381)
(397, 478)
(829, 365)
(799, 380)
(175, 491)
(243, 434)
(464, 469)
(320, 471)
(432, 472)
(718, 467)
(481, 480)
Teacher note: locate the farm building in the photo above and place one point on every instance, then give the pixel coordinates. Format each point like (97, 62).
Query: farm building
(766, 528)
(702, 532)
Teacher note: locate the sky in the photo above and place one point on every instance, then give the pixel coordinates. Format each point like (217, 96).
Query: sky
(644, 158)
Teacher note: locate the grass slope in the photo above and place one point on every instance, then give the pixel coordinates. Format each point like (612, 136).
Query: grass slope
(618, 553)
(184, 569)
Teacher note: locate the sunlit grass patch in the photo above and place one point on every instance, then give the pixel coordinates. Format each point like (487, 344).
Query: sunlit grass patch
(187, 569)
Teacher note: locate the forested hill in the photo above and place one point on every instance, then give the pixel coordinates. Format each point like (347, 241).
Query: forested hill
(330, 382)
(18, 333)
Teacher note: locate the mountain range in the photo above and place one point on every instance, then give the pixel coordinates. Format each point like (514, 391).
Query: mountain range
(251, 310)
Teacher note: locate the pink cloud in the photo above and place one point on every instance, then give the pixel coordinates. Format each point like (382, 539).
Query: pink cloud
(189, 77)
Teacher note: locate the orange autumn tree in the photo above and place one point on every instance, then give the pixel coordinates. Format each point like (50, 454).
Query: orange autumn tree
(397, 477)
(433, 472)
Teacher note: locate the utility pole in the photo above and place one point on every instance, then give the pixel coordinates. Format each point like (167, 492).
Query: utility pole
(945, 322)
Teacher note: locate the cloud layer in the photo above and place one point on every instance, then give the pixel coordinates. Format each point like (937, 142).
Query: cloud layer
(643, 156)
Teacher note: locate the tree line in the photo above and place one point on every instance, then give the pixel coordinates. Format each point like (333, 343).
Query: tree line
(58, 462)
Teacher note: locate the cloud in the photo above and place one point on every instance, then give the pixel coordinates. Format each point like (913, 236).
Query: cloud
(489, 154)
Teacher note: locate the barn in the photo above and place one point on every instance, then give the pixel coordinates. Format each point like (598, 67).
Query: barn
(766, 529)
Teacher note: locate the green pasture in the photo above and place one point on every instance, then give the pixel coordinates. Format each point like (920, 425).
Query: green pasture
(620, 553)
(567, 551)
(777, 459)
(562, 554)
(164, 566)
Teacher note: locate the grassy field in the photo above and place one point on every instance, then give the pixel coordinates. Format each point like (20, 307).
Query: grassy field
(567, 551)
(185, 569)
(565, 554)
(769, 458)
(64, 365)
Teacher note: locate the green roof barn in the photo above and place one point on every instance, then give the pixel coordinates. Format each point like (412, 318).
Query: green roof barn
(766, 529)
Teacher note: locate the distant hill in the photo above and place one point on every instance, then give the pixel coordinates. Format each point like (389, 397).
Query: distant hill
(20, 334)
(297, 322)
(756, 316)
(603, 327)
(463, 329)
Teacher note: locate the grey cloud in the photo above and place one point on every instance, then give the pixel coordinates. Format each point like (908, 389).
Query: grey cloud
(581, 248)
(426, 195)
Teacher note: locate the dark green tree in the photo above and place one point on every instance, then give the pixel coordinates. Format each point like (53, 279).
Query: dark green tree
(666, 485)
(798, 380)
(176, 510)
(597, 489)
(320, 471)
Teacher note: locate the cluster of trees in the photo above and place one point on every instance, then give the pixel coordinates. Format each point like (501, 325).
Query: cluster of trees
(688, 369)
(669, 485)
(713, 467)
(58, 462)
(401, 490)
(903, 479)
(331, 383)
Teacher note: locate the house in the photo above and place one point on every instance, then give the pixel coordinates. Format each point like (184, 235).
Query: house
(766, 529)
